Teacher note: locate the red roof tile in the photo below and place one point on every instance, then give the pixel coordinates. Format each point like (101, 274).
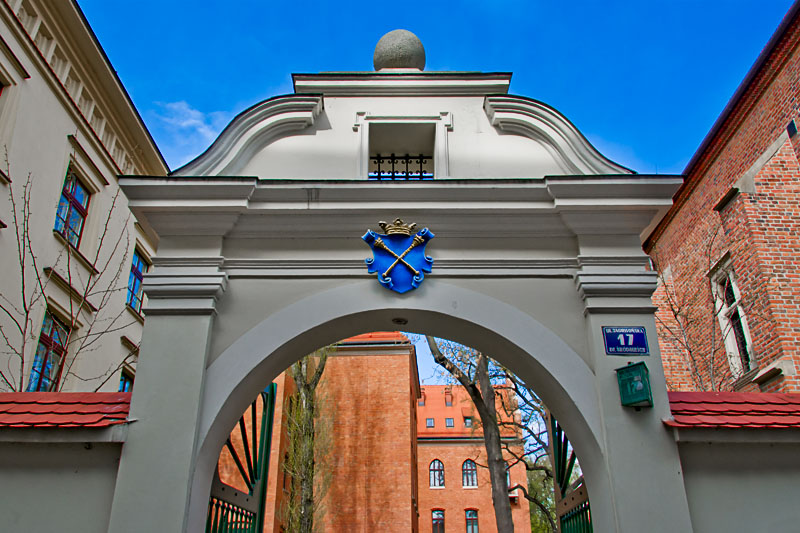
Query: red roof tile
(377, 337)
(63, 409)
(734, 410)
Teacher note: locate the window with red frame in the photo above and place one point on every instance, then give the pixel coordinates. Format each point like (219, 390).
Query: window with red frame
(49, 355)
(72, 209)
(437, 521)
(138, 268)
(472, 520)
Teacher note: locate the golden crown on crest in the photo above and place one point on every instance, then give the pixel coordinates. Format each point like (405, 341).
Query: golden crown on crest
(398, 227)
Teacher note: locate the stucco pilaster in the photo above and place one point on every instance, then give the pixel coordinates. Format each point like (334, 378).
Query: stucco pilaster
(157, 461)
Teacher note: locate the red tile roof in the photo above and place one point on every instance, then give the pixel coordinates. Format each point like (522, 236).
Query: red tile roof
(377, 337)
(63, 409)
(734, 410)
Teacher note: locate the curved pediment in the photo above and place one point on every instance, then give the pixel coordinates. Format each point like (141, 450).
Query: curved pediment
(543, 124)
(251, 131)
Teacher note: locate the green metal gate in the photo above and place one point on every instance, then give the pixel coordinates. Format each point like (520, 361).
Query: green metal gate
(572, 499)
(230, 509)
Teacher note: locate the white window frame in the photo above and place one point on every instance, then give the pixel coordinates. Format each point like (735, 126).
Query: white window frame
(721, 277)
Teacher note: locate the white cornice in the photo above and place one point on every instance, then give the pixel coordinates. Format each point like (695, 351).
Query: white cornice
(544, 124)
(556, 206)
(402, 83)
(251, 131)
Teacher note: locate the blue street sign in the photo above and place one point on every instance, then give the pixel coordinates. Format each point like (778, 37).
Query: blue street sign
(625, 340)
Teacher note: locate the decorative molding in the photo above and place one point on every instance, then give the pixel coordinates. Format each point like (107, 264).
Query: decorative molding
(556, 134)
(80, 150)
(14, 59)
(614, 292)
(413, 83)
(73, 293)
(252, 130)
(183, 293)
(470, 268)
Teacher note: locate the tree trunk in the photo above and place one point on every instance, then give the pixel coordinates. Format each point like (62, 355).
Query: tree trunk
(481, 392)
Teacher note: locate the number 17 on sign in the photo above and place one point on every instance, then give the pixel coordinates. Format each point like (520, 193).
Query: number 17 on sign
(625, 340)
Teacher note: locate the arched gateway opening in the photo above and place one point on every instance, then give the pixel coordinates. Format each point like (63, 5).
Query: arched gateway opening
(559, 374)
(260, 261)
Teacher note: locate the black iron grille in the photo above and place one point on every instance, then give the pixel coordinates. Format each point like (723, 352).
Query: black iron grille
(401, 167)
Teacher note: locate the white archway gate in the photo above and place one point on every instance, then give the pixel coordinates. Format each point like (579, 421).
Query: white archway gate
(252, 274)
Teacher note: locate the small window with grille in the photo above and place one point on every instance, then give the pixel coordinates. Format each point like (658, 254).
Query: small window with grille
(401, 151)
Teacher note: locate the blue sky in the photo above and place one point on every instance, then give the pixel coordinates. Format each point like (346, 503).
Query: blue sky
(643, 80)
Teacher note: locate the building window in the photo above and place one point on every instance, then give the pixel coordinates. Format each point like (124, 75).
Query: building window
(448, 399)
(429, 422)
(732, 322)
(508, 474)
(469, 473)
(72, 209)
(126, 381)
(467, 421)
(49, 355)
(138, 268)
(436, 473)
(472, 520)
(437, 521)
(401, 151)
(448, 422)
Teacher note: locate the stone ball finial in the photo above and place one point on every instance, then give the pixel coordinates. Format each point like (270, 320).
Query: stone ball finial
(399, 49)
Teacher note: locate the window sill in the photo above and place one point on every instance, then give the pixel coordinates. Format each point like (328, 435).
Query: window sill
(74, 251)
(437, 488)
(469, 488)
(746, 379)
(137, 315)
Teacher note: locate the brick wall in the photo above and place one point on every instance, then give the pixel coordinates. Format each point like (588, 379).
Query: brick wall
(755, 231)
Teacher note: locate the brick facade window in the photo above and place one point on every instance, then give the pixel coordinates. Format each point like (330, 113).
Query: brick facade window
(448, 422)
(429, 422)
(469, 473)
(138, 268)
(472, 520)
(437, 521)
(436, 473)
(72, 209)
(732, 322)
(49, 354)
(467, 421)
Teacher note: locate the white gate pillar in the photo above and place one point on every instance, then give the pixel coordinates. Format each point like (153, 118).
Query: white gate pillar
(641, 457)
(158, 458)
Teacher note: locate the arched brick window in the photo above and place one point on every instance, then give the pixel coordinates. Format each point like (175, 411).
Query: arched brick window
(469, 473)
(437, 473)
(437, 521)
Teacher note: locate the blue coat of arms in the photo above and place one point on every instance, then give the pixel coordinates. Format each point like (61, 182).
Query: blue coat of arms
(398, 256)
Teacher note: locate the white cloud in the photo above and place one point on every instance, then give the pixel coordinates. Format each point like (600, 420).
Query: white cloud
(184, 132)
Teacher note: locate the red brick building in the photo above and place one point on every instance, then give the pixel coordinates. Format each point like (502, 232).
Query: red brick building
(454, 486)
(382, 448)
(727, 252)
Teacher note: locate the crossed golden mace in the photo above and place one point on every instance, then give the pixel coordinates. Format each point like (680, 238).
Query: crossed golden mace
(399, 258)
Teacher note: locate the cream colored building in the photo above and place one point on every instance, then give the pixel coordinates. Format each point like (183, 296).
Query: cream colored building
(68, 129)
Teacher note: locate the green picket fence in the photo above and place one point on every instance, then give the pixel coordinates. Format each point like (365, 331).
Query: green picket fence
(577, 520)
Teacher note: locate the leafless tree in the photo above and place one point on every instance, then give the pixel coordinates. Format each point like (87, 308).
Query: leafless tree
(308, 436)
(472, 370)
(689, 315)
(90, 288)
